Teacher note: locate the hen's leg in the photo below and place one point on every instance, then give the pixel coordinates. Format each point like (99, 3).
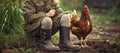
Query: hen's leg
(85, 43)
(81, 41)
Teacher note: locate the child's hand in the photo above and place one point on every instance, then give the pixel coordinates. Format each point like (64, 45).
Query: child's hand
(51, 13)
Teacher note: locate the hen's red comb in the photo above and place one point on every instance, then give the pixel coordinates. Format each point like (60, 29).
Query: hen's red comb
(86, 6)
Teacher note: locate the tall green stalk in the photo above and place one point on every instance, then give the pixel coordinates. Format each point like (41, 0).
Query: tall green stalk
(11, 18)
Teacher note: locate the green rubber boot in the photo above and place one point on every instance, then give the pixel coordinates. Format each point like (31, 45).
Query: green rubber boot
(65, 43)
(45, 42)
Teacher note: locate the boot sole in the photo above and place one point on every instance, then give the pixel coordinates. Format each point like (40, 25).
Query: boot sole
(48, 50)
(68, 49)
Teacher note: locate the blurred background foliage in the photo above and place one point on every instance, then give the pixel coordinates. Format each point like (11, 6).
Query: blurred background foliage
(71, 4)
(101, 11)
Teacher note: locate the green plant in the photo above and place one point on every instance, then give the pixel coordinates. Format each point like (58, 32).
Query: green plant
(11, 23)
(71, 4)
(11, 18)
(55, 38)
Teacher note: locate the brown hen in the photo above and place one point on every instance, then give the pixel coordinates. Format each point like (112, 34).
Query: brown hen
(81, 27)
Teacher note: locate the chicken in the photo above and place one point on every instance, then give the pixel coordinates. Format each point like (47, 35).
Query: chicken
(74, 19)
(81, 27)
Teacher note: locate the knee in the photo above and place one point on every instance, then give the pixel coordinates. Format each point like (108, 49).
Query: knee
(65, 20)
(47, 21)
(65, 17)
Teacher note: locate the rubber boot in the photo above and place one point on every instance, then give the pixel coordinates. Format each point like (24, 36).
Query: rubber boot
(65, 43)
(45, 42)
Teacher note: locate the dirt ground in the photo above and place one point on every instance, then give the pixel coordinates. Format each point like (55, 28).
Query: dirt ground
(106, 39)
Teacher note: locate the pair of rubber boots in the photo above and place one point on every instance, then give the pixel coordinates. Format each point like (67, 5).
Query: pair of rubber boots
(64, 44)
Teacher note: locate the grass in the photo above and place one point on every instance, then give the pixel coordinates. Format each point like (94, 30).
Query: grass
(11, 19)
(11, 23)
(106, 17)
(13, 40)
(71, 5)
